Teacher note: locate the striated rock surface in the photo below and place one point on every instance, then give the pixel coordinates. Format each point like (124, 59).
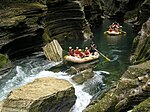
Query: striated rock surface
(53, 51)
(131, 92)
(65, 21)
(41, 95)
(20, 28)
(141, 45)
(25, 26)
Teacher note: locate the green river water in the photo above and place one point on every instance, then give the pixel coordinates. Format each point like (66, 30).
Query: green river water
(117, 48)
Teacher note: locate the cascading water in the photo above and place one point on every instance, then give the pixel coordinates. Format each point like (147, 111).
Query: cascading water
(28, 69)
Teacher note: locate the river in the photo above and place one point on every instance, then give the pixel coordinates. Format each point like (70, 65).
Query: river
(117, 48)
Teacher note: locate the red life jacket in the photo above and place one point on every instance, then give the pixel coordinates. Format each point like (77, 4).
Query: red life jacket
(76, 51)
(81, 54)
(87, 52)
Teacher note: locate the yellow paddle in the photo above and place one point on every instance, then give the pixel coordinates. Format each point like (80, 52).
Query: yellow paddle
(102, 54)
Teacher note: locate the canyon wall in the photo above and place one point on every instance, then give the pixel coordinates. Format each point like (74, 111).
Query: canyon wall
(25, 26)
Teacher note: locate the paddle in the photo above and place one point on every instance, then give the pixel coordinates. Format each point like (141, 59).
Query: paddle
(102, 54)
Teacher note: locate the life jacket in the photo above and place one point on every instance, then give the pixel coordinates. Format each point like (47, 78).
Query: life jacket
(87, 52)
(81, 54)
(76, 51)
(71, 52)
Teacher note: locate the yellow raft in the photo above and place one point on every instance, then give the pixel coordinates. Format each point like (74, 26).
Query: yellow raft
(75, 59)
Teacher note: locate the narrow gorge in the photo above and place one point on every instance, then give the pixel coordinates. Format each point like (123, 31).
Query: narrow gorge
(26, 26)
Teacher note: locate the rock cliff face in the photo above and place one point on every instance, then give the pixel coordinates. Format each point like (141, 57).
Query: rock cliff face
(42, 95)
(118, 8)
(25, 26)
(141, 45)
(20, 29)
(93, 11)
(131, 92)
(65, 21)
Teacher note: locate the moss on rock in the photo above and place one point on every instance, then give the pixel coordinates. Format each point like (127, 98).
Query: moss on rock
(143, 106)
(3, 60)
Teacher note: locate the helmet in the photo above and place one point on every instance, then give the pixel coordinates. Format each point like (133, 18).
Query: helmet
(86, 47)
(77, 47)
(70, 47)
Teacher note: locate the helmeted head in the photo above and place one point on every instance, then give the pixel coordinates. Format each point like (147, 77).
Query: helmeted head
(86, 48)
(70, 47)
(77, 47)
(80, 50)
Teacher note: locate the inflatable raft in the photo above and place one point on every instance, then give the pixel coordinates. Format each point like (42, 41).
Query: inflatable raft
(114, 32)
(75, 59)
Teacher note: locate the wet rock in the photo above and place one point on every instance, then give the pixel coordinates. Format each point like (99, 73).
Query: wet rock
(41, 95)
(83, 76)
(72, 70)
(128, 93)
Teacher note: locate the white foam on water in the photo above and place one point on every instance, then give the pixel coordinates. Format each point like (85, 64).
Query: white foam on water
(22, 78)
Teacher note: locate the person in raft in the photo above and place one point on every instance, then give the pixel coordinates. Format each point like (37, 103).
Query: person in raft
(81, 54)
(76, 52)
(71, 51)
(92, 48)
(87, 52)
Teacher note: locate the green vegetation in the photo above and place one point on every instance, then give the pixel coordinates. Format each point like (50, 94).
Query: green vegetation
(3, 60)
(46, 37)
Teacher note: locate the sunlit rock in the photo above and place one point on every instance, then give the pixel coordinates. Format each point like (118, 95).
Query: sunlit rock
(41, 95)
(53, 51)
(1, 105)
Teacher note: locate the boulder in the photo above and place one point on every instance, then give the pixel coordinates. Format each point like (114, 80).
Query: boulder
(41, 95)
(83, 76)
(53, 51)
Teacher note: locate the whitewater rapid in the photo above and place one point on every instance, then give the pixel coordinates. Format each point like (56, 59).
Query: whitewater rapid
(32, 69)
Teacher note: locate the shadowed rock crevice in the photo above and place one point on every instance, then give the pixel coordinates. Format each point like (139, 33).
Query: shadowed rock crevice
(21, 31)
